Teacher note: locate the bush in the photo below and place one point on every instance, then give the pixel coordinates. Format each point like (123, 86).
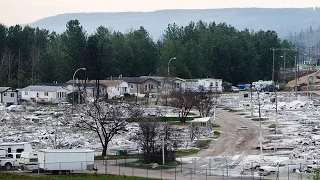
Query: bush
(272, 126)
(126, 95)
(217, 133)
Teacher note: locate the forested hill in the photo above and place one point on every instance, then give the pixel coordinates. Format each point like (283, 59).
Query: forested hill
(282, 21)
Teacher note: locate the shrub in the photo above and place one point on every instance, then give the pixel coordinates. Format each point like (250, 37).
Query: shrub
(272, 126)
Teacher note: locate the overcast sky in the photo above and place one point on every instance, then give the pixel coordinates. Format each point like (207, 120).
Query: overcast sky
(26, 11)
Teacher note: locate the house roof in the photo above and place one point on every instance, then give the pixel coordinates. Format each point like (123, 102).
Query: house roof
(303, 80)
(41, 88)
(137, 80)
(110, 83)
(107, 83)
(87, 83)
(52, 84)
(2, 89)
(127, 79)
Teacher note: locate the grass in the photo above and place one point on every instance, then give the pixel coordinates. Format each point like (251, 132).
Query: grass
(162, 119)
(216, 133)
(272, 126)
(7, 176)
(149, 166)
(112, 157)
(234, 110)
(186, 152)
(136, 156)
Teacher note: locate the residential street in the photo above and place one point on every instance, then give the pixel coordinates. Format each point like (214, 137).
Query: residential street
(231, 140)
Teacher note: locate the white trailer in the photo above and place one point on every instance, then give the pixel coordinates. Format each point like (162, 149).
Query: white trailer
(16, 147)
(63, 161)
(29, 161)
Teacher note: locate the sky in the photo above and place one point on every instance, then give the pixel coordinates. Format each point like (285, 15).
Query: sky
(26, 11)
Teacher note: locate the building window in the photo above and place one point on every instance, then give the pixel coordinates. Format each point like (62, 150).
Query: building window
(4, 94)
(211, 84)
(131, 86)
(216, 83)
(37, 95)
(12, 94)
(45, 93)
(26, 93)
(146, 86)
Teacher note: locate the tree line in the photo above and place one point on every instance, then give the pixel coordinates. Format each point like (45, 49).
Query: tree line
(31, 55)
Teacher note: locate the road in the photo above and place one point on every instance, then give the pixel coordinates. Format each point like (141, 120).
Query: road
(231, 140)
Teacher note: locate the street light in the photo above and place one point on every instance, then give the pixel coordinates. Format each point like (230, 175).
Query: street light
(169, 65)
(73, 83)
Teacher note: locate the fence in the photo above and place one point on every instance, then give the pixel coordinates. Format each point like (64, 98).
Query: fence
(197, 170)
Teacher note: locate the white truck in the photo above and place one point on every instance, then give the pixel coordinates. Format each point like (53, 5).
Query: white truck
(10, 161)
(28, 161)
(63, 161)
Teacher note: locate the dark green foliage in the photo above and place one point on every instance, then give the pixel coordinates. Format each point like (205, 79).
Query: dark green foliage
(31, 55)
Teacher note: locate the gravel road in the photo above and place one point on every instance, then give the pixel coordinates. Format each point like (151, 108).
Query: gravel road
(232, 141)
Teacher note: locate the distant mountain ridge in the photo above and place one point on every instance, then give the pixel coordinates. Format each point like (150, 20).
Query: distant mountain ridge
(282, 20)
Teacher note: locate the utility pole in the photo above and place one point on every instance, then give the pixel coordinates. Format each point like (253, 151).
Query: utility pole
(295, 74)
(273, 58)
(273, 52)
(284, 67)
(274, 85)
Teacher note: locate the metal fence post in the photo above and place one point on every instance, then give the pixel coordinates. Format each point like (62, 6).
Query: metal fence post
(119, 171)
(132, 171)
(227, 167)
(300, 172)
(38, 169)
(181, 163)
(288, 173)
(175, 173)
(195, 165)
(105, 168)
(206, 175)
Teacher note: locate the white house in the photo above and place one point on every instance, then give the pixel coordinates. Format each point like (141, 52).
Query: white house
(8, 96)
(115, 88)
(45, 94)
(206, 84)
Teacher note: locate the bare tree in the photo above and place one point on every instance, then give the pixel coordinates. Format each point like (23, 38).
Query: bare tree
(150, 136)
(205, 102)
(184, 101)
(106, 120)
(56, 135)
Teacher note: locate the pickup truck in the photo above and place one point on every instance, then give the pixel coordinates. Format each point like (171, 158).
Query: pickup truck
(10, 161)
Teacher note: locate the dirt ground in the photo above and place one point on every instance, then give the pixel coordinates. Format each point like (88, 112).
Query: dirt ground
(232, 141)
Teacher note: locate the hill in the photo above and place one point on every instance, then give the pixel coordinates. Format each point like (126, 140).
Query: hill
(281, 20)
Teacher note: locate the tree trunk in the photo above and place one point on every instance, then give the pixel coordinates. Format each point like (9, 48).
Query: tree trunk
(104, 151)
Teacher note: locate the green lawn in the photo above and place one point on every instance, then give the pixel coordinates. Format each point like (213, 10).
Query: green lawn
(186, 152)
(129, 156)
(7, 176)
(149, 166)
(137, 156)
